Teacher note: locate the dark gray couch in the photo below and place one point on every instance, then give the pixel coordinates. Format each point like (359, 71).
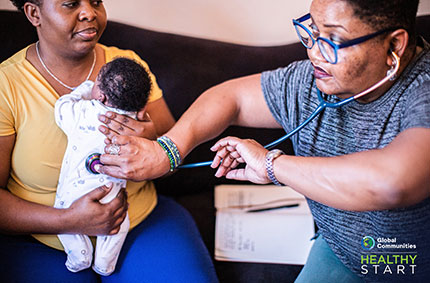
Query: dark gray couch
(185, 67)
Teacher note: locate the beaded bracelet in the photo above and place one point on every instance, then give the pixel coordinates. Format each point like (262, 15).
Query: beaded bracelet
(171, 150)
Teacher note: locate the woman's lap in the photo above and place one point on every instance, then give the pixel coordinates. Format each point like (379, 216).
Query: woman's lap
(23, 259)
(166, 247)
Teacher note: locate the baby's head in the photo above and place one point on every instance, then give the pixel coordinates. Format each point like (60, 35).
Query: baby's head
(124, 84)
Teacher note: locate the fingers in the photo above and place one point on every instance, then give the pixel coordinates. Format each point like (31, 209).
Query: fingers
(122, 196)
(118, 145)
(111, 170)
(218, 158)
(119, 207)
(120, 217)
(228, 141)
(223, 150)
(221, 171)
(123, 141)
(227, 163)
(119, 204)
(137, 159)
(231, 151)
(117, 123)
(107, 132)
(227, 156)
(116, 162)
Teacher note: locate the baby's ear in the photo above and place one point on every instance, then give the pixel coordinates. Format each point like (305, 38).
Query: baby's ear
(101, 97)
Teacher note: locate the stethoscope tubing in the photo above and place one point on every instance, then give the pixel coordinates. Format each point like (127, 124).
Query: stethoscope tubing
(323, 104)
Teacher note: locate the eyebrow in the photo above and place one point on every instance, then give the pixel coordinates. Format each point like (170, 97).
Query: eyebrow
(335, 26)
(331, 25)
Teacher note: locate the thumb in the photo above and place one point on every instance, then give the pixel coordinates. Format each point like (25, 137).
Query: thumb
(237, 174)
(100, 192)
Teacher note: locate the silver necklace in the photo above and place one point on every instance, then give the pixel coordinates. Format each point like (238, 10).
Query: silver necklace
(57, 79)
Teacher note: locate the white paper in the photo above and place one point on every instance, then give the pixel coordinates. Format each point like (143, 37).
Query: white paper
(275, 236)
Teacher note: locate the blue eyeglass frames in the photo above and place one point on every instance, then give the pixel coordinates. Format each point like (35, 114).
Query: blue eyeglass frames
(327, 47)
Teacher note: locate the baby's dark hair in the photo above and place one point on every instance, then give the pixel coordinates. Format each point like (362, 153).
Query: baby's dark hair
(20, 3)
(125, 83)
(382, 14)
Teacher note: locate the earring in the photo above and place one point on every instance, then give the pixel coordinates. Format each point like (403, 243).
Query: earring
(390, 73)
(393, 67)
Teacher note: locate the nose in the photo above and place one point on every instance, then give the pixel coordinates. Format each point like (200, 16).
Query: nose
(87, 12)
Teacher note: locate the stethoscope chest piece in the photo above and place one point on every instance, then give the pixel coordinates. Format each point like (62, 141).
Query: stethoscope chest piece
(91, 161)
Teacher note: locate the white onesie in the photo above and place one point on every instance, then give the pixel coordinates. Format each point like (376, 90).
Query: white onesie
(78, 118)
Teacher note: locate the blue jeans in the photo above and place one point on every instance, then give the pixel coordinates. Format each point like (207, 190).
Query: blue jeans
(323, 266)
(165, 247)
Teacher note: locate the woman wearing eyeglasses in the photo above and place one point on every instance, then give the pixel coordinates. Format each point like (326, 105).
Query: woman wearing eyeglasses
(364, 167)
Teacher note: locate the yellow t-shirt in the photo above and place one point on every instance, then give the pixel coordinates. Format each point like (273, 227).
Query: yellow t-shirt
(27, 110)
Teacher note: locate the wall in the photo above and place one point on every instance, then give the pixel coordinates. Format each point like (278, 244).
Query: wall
(252, 22)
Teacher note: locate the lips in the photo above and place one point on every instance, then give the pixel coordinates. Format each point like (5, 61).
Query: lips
(320, 73)
(87, 34)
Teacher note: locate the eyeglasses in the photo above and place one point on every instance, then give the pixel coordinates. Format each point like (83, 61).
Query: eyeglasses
(327, 47)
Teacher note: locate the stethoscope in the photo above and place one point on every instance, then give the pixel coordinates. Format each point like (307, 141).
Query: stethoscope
(322, 105)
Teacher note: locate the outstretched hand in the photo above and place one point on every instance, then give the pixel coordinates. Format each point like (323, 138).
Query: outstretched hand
(232, 151)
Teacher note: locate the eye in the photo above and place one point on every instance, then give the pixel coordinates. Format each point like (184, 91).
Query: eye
(70, 4)
(336, 39)
(313, 28)
(97, 3)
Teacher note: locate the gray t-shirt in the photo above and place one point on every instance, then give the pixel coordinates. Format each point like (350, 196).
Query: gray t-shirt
(291, 95)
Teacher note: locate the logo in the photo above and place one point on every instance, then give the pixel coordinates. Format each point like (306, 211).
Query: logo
(368, 243)
(400, 258)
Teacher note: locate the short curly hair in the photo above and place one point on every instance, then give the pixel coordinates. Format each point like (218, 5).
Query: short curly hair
(126, 84)
(20, 3)
(382, 14)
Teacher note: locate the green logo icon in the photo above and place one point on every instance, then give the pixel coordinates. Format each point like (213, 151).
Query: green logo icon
(368, 243)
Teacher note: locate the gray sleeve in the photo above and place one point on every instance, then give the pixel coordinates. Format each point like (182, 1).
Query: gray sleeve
(282, 88)
(273, 84)
(417, 110)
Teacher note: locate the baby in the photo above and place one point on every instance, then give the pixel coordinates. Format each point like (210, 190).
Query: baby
(122, 86)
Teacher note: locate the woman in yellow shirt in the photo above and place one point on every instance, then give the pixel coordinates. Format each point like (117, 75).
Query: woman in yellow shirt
(163, 236)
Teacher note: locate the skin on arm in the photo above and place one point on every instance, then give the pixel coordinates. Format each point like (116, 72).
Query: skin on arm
(85, 216)
(395, 176)
(234, 102)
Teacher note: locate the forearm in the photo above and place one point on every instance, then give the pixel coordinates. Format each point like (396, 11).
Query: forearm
(22, 217)
(361, 181)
